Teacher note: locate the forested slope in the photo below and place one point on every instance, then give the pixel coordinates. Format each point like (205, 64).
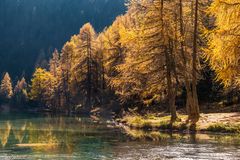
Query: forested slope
(31, 29)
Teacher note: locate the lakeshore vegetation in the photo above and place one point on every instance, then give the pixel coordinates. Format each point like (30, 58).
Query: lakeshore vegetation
(160, 55)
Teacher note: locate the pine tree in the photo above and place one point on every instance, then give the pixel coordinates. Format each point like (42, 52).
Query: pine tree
(6, 90)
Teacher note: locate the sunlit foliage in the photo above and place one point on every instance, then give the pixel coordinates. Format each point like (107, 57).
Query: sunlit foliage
(6, 90)
(42, 87)
(224, 41)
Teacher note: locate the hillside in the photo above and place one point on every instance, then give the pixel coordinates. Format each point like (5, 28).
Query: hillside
(31, 29)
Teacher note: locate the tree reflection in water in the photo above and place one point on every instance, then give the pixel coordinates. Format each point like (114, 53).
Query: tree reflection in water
(46, 134)
(58, 137)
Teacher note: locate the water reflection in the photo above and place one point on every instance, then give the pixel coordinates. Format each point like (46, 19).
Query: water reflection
(5, 132)
(51, 137)
(155, 145)
(55, 135)
(137, 134)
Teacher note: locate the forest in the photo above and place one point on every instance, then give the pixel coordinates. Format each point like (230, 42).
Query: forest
(119, 79)
(178, 57)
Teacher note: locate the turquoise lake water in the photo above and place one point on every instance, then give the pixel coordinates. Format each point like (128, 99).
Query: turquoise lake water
(46, 137)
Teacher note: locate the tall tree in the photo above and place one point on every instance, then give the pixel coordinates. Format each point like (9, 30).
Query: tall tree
(56, 70)
(20, 95)
(188, 30)
(223, 51)
(66, 58)
(112, 53)
(86, 66)
(6, 90)
(54, 63)
(42, 87)
(149, 54)
(194, 109)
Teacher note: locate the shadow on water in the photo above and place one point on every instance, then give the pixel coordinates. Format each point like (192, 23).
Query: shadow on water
(33, 136)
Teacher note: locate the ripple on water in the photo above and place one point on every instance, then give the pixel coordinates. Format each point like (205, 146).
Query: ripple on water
(87, 140)
(179, 151)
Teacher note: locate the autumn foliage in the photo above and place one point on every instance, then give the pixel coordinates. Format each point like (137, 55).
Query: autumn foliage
(150, 56)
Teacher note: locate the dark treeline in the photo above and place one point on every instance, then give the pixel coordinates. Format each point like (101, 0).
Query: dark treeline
(157, 54)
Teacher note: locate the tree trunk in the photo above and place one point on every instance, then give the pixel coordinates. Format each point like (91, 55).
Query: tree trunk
(89, 74)
(192, 106)
(170, 89)
(195, 108)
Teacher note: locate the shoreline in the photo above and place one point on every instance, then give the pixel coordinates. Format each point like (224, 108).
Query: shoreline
(226, 123)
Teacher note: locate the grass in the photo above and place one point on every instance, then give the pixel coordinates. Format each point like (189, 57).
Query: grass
(141, 134)
(224, 128)
(153, 122)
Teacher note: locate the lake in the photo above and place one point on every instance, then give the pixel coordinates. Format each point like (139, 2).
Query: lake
(46, 137)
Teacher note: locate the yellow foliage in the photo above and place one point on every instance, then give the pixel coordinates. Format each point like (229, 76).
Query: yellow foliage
(43, 84)
(223, 51)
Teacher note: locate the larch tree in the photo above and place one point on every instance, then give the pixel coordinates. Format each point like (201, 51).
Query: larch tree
(187, 31)
(148, 46)
(6, 90)
(112, 49)
(55, 70)
(23, 84)
(20, 95)
(85, 66)
(42, 87)
(112, 55)
(223, 51)
(65, 67)
(102, 85)
(54, 63)
(194, 114)
(148, 56)
(160, 53)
